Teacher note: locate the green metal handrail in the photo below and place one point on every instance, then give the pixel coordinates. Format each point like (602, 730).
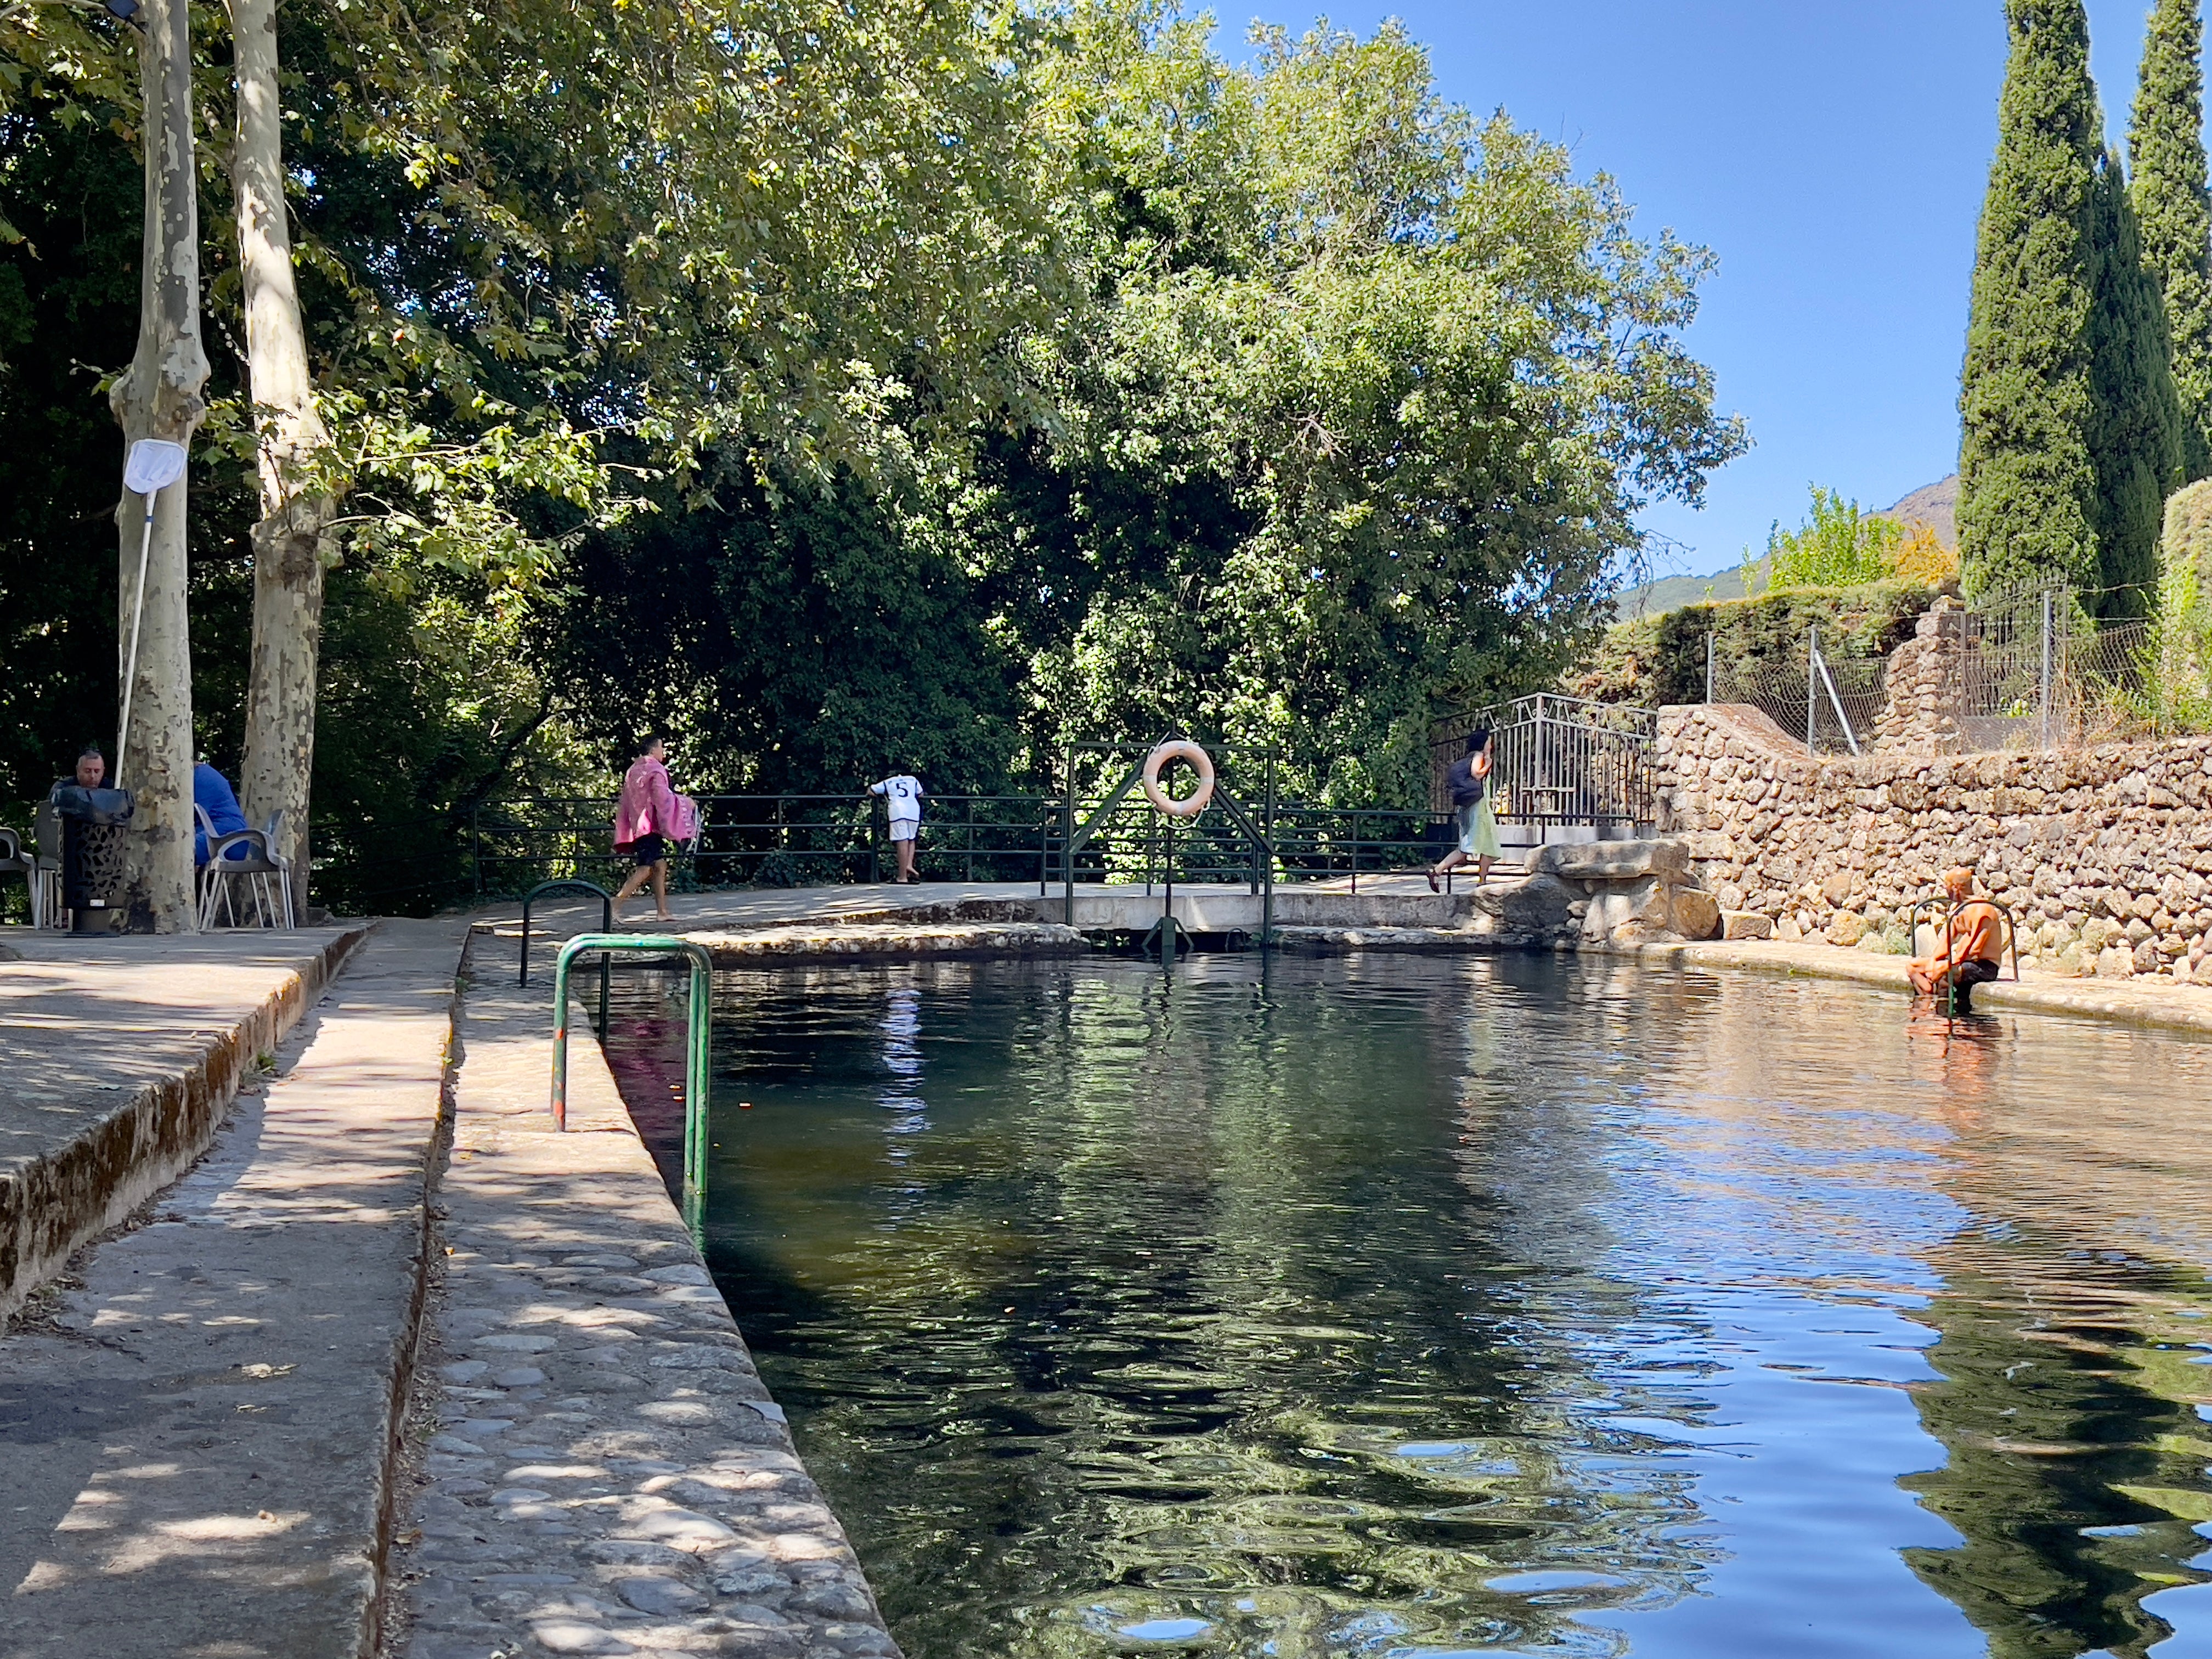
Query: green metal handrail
(699, 1048)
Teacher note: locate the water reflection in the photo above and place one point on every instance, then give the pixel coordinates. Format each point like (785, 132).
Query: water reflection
(1419, 1308)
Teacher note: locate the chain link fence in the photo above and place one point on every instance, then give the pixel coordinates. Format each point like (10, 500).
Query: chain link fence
(2029, 668)
(1829, 691)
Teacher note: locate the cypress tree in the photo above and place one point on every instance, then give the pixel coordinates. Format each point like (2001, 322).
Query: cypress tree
(2134, 429)
(2027, 487)
(2166, 156)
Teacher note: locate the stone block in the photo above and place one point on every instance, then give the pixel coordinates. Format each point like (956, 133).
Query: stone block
(1626, 913)
(1696, 912)
(1541, 907)
(1612, 860)
(1746, 924)
(1847, 929)
(2117, 962)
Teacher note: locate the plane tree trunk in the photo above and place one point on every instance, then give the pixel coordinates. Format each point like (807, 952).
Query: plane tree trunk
(289, 540)
(159, 396)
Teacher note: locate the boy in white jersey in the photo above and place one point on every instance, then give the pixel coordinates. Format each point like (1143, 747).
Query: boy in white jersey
(902, 796)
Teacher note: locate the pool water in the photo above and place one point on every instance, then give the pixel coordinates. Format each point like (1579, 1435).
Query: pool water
(1422, 1306)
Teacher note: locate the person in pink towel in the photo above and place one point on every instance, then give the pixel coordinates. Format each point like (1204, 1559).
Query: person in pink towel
(645, 822)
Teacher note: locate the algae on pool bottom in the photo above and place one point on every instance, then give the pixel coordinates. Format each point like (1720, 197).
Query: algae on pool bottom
(1417, 1307)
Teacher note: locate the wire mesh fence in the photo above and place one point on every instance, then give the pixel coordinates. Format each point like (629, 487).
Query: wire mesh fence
(2027, 668)
(2039, 672)
(1829, 691)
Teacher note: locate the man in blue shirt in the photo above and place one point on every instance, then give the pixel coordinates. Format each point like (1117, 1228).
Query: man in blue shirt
(212, 794)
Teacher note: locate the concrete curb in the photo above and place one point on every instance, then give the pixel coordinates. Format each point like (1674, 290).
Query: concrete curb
(407, 1347)
(53, 1204)
(1404, 941)
(2168, 1008)
(892, 942)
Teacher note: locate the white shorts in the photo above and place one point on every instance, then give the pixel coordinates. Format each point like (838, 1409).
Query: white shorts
(905, 828)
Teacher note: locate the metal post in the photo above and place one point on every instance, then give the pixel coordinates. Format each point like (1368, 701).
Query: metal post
(1812, 684)
(698, 1075)
(1068, 841)
(1709, 667)
(1167, 914)
(606, 914)
(2047, 619)
(476, 843)
(1267, 888)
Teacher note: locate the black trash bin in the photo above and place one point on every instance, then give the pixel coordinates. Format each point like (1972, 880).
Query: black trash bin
(92, 823)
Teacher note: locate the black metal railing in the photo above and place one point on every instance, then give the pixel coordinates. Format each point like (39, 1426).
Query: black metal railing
(1559, 760)
(505, 848)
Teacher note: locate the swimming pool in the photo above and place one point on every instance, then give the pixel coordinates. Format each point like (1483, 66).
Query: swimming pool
(1442, 1306)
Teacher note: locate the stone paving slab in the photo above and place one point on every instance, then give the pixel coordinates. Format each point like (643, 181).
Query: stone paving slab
(197, 1437)
(600, 1469)
(117, 1057)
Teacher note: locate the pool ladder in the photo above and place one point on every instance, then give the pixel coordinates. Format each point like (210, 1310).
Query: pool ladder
(698, 1056)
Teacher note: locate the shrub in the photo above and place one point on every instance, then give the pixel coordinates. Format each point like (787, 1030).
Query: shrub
(1656, 660)
(1840, 546)
(779, 869)
(1922, 557)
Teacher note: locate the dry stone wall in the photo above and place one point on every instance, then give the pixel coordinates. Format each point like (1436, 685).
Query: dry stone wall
(1923, 686)
(2104, 856)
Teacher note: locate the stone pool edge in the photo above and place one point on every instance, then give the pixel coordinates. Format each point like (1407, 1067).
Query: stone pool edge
(622, 1480)
(2167, 1007)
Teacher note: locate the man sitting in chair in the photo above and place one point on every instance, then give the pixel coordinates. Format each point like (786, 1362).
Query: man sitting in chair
(1970, 950)
(213, 795)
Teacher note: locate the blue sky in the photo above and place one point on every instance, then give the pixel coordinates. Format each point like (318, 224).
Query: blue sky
(1833, 157)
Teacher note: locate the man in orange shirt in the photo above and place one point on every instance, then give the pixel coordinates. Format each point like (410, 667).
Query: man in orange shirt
(1971, 948)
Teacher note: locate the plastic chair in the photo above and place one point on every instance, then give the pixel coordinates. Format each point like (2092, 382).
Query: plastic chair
(46, 872)
(260, 861)
(15, 861)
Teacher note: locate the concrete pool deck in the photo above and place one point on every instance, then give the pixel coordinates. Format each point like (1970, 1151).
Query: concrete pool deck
(119, 1056)
(199, 1421)
(204, 1419)
(601, 1470)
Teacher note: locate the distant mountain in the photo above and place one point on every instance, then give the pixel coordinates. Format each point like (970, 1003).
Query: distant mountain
(1935, 505)
(1655, 598)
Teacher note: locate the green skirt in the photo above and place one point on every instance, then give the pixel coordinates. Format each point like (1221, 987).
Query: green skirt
(1478, 831)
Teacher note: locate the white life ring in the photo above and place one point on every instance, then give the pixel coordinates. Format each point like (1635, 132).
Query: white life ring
(1197, 800)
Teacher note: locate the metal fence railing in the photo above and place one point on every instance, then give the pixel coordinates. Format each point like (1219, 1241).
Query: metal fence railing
(1558, 760)
(777, 841)
(505, 848)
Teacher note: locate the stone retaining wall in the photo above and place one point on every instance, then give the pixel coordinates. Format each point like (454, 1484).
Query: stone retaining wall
(2104, 855)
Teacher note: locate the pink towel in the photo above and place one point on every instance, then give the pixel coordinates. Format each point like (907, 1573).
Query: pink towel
(648, 806)
(684, 820)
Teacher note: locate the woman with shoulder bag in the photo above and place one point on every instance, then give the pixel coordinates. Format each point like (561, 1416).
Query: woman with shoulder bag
(1470, 782)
